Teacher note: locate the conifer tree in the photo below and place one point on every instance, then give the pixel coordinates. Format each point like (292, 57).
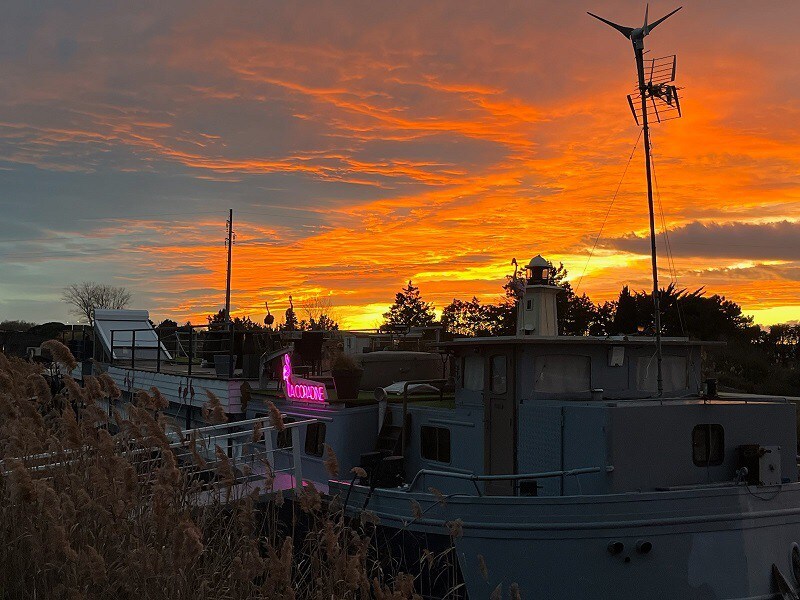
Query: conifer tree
(409, 309)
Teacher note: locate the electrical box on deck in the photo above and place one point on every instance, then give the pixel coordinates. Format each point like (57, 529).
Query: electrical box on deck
(763, 463)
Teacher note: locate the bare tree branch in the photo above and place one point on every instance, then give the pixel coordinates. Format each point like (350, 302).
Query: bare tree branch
(87, 296)
(320, 312)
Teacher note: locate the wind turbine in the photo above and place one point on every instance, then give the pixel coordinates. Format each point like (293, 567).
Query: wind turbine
(647, 90)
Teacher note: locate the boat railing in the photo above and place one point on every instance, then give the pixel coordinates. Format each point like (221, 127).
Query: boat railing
(187, 345)
(215, 456)
(515, 477)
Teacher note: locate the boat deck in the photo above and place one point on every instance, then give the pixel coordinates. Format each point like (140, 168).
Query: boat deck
(179, 368)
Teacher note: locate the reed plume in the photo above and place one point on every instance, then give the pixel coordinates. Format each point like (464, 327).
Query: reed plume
(213, 412)
(275, 417)
(60, 353)
(331, 462)
(98, 508)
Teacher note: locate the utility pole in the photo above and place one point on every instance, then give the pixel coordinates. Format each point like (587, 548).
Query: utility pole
(667, 94)
(229, 243)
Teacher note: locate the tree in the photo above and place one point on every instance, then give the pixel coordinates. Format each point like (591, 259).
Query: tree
(87, 296)
(323, 323)
(320, 313)
(409, 310)
(626, 318)
(683, 313)
(167, 324)
(16, 325)
(577, 315)
(466, 318)
(782, 342)
(219, 321)
(603, 319)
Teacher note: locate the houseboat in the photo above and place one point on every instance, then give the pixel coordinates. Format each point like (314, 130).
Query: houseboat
(556, 466)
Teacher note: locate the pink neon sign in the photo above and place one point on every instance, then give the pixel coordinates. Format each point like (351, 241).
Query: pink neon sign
(301, 389)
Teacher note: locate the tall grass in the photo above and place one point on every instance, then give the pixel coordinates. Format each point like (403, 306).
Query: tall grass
(88, 514)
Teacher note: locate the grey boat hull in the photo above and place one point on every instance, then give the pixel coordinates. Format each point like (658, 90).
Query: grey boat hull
(713, 543)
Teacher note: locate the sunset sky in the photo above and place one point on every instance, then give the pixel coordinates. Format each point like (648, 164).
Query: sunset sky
(363, 144)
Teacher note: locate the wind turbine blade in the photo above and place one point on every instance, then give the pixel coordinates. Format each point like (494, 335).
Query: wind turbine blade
(626, 31)
(664, 18)
(645, 30)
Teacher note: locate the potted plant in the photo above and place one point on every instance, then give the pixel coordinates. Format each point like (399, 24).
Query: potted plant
(346, 376)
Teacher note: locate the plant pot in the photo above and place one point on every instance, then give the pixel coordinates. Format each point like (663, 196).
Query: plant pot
(347, 383)
(222, 365)
(250, 366)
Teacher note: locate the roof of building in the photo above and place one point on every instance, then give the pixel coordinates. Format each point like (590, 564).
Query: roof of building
(128, 326)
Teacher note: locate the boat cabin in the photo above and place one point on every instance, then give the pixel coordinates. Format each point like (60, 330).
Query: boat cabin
(549, 415)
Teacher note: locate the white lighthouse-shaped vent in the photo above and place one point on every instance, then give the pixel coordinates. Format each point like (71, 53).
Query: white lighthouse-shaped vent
(536, 311)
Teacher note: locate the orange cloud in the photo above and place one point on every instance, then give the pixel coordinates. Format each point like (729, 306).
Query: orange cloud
(364, 148)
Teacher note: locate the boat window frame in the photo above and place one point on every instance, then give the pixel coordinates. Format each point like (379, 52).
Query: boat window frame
(314, 444)
(492, 373)
(437, 445)
(479, 360)
(588, 361)
(714, 452)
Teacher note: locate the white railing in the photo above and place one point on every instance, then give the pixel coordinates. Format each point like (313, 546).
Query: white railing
(250, 456)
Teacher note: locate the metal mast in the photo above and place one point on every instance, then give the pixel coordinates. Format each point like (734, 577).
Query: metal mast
(229, 244)
(649, 91)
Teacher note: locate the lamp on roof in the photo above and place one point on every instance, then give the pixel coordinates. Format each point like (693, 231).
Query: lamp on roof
(538, 271)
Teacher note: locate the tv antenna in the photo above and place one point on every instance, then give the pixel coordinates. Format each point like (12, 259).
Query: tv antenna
(655, 96)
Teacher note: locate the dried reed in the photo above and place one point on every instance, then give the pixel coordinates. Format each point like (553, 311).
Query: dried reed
(87, 514)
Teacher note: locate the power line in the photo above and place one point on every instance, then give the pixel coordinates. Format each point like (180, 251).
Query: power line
(608, 212)
(670, 256)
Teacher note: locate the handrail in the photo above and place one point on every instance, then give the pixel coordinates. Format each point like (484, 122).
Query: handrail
(252, 421)
(509, 477)
(180, 442)
(228, 330)
(403, 434)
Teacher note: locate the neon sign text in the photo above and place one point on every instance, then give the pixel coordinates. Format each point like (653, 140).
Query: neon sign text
(301, 389)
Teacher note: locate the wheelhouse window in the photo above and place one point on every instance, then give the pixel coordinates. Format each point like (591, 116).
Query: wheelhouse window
(497, 374)
(708, 445)
(435, 443)
(562, 374)
(673, 370)
(473, 372)
(315, 439)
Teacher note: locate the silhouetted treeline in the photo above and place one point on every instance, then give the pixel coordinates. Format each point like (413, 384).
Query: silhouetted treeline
(753, 360)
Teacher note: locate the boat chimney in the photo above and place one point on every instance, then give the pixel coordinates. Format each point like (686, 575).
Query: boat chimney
(536, 310)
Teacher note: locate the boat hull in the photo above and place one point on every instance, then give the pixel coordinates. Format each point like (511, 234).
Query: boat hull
(716, 543)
